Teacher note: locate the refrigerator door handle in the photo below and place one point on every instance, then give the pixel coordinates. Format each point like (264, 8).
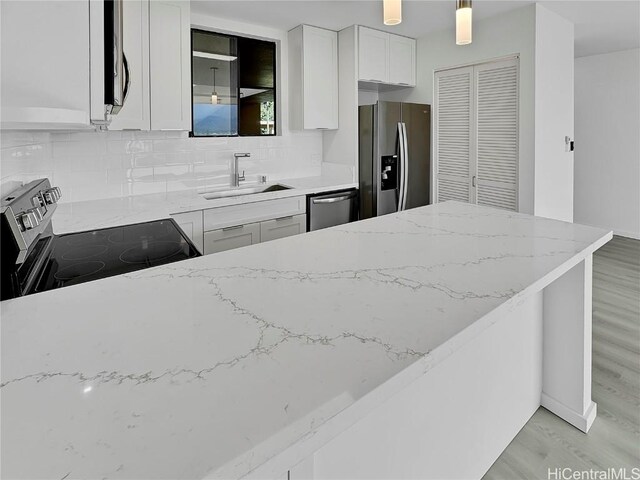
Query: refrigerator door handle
(405, 169)
(401, 155)
(404, 162)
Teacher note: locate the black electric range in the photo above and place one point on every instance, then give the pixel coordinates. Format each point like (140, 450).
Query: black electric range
(35, 260)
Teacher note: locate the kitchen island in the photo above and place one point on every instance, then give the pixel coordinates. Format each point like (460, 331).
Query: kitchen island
(413, 345)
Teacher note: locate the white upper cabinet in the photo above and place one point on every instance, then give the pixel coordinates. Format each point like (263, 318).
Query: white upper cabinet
(169, 64)
(313, 70)
(373, 55)
(45, 64)
(386, 58)
(157, 48)
(135, 114)
(402, 60)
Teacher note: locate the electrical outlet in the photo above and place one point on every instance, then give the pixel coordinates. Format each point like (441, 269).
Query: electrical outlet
(569, 144)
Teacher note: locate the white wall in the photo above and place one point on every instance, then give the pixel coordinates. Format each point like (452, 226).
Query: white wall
(553, 115)
(367, 97)
(607, 157)
(95, 165)
(508, 34)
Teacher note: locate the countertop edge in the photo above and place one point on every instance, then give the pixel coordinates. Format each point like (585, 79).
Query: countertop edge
(87, 215)
(346, 418)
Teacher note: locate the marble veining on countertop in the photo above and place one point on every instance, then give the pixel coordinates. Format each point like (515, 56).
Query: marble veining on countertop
(94, 214)
(209, 367)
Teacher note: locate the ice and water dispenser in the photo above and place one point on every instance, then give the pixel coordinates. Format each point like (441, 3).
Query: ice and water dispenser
(389, 182)
(389, 173)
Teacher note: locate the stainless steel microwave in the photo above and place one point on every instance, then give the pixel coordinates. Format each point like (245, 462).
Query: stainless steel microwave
(110, 77)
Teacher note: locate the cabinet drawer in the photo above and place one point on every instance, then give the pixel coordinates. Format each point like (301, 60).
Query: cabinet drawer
(215, 218)
(231, 237)
(283, 227)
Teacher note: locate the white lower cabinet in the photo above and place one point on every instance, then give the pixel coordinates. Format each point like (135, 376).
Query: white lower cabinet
(224, 228)
(231, 237)
(282, 227)
(192, 225)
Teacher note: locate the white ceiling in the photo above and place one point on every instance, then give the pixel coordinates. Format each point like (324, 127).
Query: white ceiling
(600, 25)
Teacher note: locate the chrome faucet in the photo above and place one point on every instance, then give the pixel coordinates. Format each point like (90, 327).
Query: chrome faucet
(236, 178)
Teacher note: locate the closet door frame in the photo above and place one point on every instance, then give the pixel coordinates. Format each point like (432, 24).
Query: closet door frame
(473, 166)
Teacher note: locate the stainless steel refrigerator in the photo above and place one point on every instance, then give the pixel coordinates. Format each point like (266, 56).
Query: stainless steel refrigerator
(394, 157)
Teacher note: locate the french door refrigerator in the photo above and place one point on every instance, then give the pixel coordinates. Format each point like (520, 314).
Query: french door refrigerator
(394, 157)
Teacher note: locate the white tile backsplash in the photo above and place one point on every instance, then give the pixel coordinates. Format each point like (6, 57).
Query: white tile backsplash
(24, 156)
(95, 165)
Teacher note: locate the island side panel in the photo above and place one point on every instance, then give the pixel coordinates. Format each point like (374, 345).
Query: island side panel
(455, 420)
(566, 387)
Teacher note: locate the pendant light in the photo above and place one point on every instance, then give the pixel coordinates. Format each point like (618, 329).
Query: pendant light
(392, 12)
(463, 22)
(214, 95)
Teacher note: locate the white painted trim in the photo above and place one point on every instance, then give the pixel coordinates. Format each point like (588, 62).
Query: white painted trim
(620, 233)
(233, 27)
(624, 233)
(474, 64)
(581, 422)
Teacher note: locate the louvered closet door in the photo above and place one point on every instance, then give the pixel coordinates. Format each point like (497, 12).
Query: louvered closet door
(453, 134)
(496, 107)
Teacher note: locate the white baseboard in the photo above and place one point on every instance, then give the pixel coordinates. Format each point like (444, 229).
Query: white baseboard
(623, 233)
(581, 422)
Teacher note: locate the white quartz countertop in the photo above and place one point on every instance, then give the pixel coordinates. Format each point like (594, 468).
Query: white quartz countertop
(94, 214)
(209, 367)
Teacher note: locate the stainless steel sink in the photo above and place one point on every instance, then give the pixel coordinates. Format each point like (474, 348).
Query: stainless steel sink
(240, 191)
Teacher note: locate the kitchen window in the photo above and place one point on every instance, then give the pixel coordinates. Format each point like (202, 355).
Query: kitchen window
(233, 85)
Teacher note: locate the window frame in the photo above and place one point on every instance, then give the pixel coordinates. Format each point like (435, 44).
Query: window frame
(239, 60)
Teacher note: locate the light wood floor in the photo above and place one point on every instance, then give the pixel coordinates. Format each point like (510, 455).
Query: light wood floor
(546, 442)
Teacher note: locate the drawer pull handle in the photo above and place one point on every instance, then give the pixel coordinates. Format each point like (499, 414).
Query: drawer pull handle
(235, 227)
(284, 218)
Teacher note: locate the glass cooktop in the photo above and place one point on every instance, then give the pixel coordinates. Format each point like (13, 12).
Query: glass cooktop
(81, 257)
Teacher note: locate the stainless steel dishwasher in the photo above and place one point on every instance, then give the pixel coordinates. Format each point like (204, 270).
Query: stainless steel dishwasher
(332, 208)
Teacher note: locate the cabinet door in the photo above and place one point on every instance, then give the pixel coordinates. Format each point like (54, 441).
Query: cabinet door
(231, 237)
(135, 113)
(373, 55)
(320, 72)
(282, 227)
(44, 48)
(191, 224)
(169, 62)
(402, 60)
